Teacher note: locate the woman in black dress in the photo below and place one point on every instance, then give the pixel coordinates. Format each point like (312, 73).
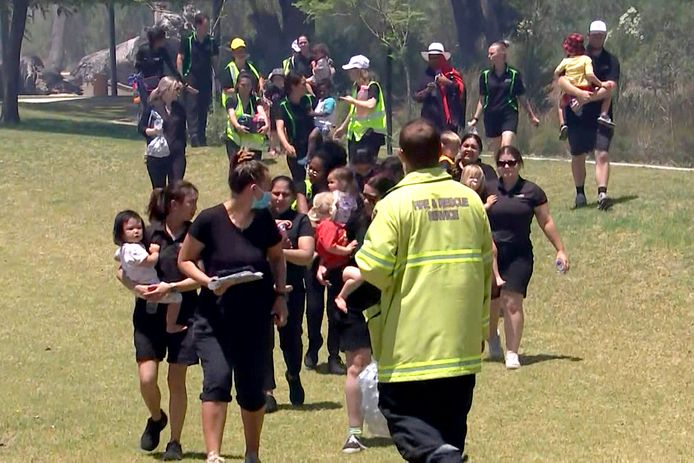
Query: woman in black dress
(232, 325)
(165, 168)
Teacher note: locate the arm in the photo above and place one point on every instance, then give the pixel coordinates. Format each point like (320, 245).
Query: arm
(546, 223)
(187, 260)
(172, 67)
(263, 115)
(478, 112)
(179, 62)
(343, 250)
(284, 140)
(529, 109)
(304, 254)
(368, 104)
(151, 260)
(302, 203)
(278, 266)
(231, 113)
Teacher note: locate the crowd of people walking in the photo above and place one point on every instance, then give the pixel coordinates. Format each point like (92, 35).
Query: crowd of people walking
(370, 243)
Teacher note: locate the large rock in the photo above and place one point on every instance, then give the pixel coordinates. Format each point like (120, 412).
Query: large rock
(34, 79)
(99, 62)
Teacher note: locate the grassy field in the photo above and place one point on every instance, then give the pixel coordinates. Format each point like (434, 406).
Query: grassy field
(608, 364)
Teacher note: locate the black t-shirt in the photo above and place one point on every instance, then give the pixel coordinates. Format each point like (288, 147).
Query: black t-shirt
(273, 93)
(511, 216)
(198, 56)
(227, 247)
(498, 89)
(301, 227)
(151, 62)
(167, 266)
(298, 121)
(251, 108)
(301, 65)
(606, 67)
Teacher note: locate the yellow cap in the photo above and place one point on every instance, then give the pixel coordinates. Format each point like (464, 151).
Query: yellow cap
(237, 43)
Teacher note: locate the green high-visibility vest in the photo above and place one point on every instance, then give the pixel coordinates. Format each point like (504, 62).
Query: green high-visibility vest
(511, 101)
(376, 119)
(249, 140)
(288, 65)
(284, 104)
(234, 72)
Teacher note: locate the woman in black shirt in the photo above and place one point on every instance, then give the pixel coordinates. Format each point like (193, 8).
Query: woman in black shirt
(164, 104)
(170, 212)
(299, 245)
(510, 218)
(150, 60)
(232, 326)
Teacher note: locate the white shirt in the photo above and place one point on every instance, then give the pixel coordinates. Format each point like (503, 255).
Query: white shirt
(131, 256)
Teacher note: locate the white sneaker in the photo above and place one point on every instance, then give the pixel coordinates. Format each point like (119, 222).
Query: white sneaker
(213, 457)
(353, 445)
(495, 352)
(512, 361)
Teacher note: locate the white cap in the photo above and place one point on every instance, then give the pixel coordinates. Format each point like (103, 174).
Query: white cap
(295, 46)
(357, 62)
(435, 48)
(598, 26)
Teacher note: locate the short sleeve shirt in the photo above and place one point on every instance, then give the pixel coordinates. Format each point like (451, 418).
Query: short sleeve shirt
(301, 227)
(511, 216)
(131, 256)
(498, 89)
(227, 247)
(298, 121)
(250, 109)
(329, 234)
(199, 54)
(606, 67)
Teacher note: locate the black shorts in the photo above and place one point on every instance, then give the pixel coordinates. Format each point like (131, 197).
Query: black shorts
(515, 267)
(233, 349)
(371, 142)
(584, 139)
(152, 341)
(351, 327)
(496, 123)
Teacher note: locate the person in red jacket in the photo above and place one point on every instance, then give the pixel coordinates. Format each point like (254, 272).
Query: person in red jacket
(441, 91)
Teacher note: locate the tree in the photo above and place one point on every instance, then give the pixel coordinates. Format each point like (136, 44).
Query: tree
(56, 53)
(12, 48)
(390, 22)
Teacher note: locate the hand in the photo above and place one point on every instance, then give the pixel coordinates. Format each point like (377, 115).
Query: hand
(491, 199)
(348, 99)
(320, 275)
(280, 311)
(264, 129)
(353, 246)
(564, 259)
(431, 86)
(584, 96)
(473, 122)
(141, 290)
(221, 289)
(534, 120)
(609, 85)
(341, 304)
(443, 80)
(286, 243)
(156, 292)
(154, 248)
(242, 128)
(339, 133)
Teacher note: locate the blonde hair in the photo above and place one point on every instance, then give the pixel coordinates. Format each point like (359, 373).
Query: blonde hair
(323, 207)
(346, 179)
(473, 171)
(167, 85)
(451, 141)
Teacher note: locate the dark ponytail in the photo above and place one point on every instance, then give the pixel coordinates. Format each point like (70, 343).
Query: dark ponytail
(160, 199)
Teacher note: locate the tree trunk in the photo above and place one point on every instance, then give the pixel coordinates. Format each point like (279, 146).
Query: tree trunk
(389, 101)
(112, 47)
(4, 40)
(294, 22)
(10, 105)
(56, 54)
(467, 15)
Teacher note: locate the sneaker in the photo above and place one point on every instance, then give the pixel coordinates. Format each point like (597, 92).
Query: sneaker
(270, 404)
(311, 360)
(213, 457)
(512, 361)
(495, 352)
(563, 132)
(606, 120)
(150, 437)
(353, 445)
(604, 202)
(336, 366)
(174, 452)
(581, 201)
(297, 395)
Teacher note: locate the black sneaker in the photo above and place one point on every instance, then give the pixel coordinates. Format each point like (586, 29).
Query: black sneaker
(563, 132)
(604, 202)
(311, 360)
(150, 437)
(270, 404)
(353, 445)
(174, 452)
(297, 395)
(581, 201)
(336, 366)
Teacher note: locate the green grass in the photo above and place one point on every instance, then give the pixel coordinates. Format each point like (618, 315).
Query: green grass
(607, 350)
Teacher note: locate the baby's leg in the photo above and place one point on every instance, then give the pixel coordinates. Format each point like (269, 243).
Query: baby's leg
(172, 326)
(560, 111)
(582, 96)
(352, 278)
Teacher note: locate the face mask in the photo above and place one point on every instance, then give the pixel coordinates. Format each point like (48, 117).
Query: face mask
(263, 202)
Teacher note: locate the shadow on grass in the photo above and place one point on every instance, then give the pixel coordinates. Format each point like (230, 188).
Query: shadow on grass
(76, 127)
(377, 442)
(194, 456)
(538, 358)
(615, 201)
(316, 406)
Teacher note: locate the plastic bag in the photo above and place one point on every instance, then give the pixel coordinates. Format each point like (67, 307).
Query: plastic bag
(373, 418)
(158, 147)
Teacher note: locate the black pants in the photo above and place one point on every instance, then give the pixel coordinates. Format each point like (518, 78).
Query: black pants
(166, 170)
(315, 308)
(428, 419)
(370, 142)
(197, 108)
(290, 339)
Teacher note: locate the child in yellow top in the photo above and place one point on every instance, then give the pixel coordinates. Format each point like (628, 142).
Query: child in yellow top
(450, 148)
(577, 68)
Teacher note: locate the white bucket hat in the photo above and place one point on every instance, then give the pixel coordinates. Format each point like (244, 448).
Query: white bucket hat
(295, 46)
(435, 48)
(598, 26)
(357, 62)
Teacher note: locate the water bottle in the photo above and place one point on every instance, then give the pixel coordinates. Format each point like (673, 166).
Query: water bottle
(152, 307)
(560, 266)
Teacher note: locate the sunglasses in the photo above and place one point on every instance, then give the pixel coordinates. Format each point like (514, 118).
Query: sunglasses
(507, 163)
